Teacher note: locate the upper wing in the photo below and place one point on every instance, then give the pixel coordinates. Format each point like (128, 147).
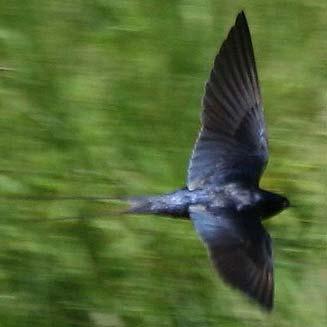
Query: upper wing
(232, 144)
(240, 250)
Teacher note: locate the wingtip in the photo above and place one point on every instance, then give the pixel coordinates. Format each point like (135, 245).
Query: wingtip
(268, 308)
(265, 300)
(241, 18)
(265, 303)
(242, 13)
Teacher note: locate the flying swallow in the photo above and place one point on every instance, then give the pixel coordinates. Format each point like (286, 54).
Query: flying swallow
(222, 196)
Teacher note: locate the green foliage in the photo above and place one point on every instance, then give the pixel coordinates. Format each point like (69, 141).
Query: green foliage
(104, 98)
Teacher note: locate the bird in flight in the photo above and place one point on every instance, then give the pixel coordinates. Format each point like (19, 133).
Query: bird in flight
(222, 196)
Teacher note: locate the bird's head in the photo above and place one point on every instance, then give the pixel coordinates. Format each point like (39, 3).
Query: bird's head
(271, 204)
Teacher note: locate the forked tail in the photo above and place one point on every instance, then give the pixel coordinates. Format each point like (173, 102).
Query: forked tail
(172, 204)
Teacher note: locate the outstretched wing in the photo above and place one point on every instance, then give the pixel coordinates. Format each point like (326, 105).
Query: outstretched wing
(232, 144)
(240, 250)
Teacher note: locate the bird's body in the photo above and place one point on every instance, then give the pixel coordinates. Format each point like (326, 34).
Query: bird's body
(222, 196)
(241, 199)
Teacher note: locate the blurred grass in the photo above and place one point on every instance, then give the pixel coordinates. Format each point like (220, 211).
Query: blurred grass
(104, 98)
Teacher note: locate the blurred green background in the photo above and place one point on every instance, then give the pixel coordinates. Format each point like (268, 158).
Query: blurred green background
(103, 99)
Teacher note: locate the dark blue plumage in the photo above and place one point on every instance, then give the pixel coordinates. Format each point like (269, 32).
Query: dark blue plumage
(222, 197)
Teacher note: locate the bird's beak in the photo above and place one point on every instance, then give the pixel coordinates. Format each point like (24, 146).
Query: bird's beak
(286, 204)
